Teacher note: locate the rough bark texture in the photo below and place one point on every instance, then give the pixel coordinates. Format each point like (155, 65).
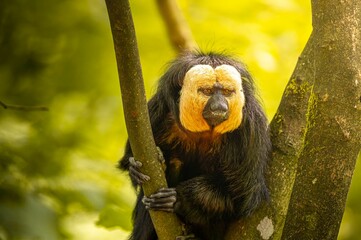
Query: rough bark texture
(333, 137)
(177, 28)
(287, 132)
(136, 115)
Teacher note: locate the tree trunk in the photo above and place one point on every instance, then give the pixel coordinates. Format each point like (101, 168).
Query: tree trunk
(316, 133)
(287, 131)
(333, 137)
(136, 114)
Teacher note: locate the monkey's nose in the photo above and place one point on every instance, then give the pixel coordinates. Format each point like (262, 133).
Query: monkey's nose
(214, 118)
(219, 106)
(216, 112)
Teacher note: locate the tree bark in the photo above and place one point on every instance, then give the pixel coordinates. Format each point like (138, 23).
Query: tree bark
(178, 30)
(287, 132)
(136, 114)
(333, 137)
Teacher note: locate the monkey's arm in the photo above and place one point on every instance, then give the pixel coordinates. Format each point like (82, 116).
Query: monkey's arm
(204, 198)
(197, 200)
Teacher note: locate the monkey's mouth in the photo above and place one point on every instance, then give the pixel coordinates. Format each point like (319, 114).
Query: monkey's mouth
(214, 118)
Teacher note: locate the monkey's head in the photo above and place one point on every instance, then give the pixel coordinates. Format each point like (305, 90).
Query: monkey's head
(211, 99)
(205, 92)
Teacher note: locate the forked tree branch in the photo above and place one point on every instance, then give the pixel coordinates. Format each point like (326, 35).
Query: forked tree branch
(287, 133)
(136, 114)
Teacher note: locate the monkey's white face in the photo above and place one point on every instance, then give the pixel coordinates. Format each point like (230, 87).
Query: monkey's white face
(200, 83)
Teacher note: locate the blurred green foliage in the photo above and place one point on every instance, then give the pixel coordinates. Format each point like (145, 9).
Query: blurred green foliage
(58, 178)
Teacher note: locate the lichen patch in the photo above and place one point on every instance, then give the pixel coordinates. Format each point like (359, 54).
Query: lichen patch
(265, 228)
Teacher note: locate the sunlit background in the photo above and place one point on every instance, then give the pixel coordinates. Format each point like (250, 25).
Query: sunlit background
(58, 178)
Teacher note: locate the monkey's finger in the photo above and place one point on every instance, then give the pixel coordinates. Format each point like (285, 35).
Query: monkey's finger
(166, 189)
(161, 158)
(146, 201)
(138, 176)
(136, 173)
(135, 163)
(164, 193)
(159, 201)
(159, 197)
(160, 155)
(171, 199)
(165, 209)
(188, 237)
(170, 210)
(156, 206)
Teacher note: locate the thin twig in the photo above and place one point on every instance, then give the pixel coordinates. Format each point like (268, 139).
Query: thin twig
(23, 108)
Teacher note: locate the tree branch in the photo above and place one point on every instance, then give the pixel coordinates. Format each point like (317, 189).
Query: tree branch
(287, 132)
(178, 30)
(136, 114)
(23, 108)
(333, 137)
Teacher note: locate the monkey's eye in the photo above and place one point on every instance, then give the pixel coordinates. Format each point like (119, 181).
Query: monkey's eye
(227, 92)
(206, 91)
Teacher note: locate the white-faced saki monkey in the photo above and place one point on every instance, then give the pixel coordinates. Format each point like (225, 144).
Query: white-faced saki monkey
(213, 134)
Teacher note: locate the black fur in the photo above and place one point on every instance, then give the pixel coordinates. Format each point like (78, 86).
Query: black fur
(216, 186)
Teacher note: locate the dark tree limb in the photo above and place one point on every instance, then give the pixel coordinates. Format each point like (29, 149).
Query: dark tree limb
(23, 108)
(287, 132)
(136, 114)
(178, 30)
(333, 137)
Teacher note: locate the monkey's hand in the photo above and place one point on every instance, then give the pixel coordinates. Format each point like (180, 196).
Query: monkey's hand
(135, 173)
(134, 168)
(162, 200)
